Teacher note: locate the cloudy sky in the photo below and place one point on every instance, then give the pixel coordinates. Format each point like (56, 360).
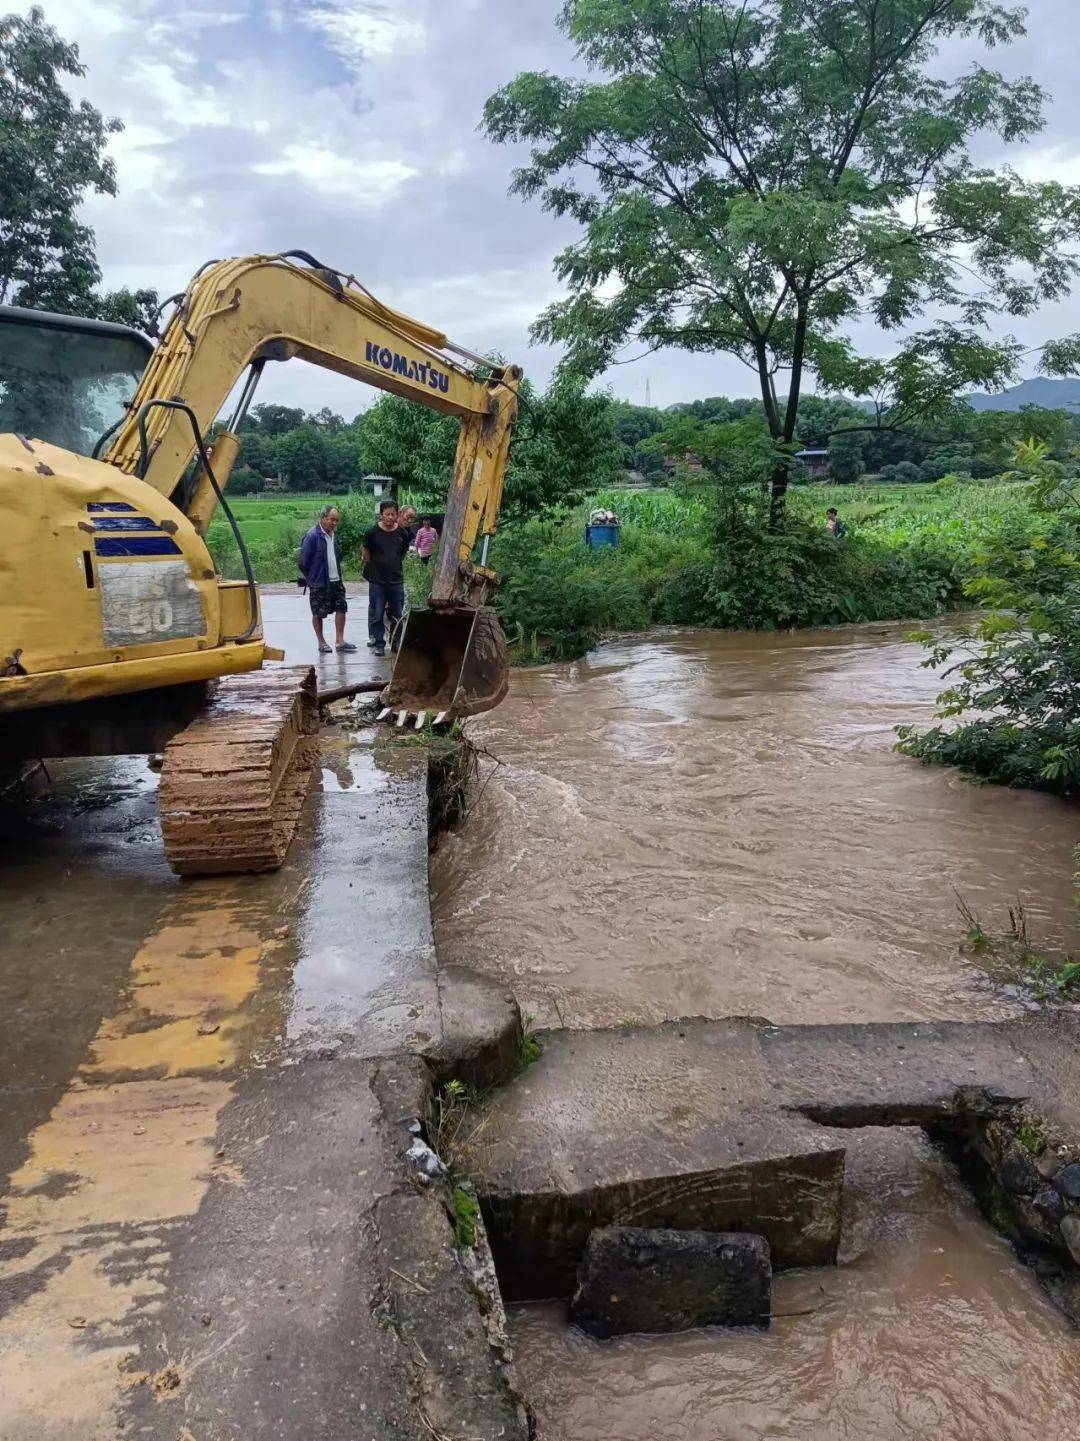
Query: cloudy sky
(348, 128)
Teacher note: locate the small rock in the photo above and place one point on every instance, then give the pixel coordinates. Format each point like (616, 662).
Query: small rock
(1067, 1180)
(1017, 1172)
(206, 1318)
(1049, 1163)
(1070, 1231)
(637, 1280)
(1049, 1204)
(208, 1028)
(77, 1322)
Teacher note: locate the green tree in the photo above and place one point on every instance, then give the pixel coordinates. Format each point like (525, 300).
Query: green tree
(302, 456)
(411, 444)
(997, 433)
(847, 459)
(274, 419)
(128, 307)
(52, 152)
(748, 178)
(564, 445)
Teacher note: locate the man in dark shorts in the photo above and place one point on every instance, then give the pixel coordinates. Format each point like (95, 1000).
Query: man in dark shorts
(385, 546)
(320, 565)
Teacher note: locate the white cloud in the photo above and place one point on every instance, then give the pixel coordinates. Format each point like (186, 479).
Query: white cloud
(181, 102)
(362, 30)
(1049, 162)
(368, 184)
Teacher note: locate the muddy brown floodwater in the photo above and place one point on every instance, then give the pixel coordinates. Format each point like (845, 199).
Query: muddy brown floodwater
(706, 824)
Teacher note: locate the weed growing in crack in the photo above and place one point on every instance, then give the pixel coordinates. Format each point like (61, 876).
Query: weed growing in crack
(529, 1047)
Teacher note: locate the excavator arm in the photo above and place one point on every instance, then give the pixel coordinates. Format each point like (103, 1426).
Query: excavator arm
(251, 311)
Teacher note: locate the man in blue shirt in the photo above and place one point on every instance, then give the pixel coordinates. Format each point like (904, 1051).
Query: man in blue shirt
(320, 565)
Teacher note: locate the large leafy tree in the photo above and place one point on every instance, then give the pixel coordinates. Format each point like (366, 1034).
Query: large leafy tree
(752, 175)
(564, 444)
(52, 152)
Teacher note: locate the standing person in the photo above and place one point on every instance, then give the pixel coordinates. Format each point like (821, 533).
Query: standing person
(425, 540)
(407, 521)
(385, 545)
(833, 524)
(320, 565)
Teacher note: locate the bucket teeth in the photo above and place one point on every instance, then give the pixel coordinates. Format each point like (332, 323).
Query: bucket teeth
(440, 719)
(420, 719)
(384, 713)
(403, 716)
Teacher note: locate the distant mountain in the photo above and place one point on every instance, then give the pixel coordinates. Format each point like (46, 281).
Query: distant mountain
(1051, 394)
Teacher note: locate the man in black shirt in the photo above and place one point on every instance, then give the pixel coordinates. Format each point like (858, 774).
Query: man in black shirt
(384, 557)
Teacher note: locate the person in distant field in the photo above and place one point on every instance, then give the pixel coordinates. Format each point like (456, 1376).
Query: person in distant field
(385, 546)
(425, 540)
(833, 524)
(320, 565)
(407, 521)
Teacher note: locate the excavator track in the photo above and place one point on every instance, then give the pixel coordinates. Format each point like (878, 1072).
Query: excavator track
(234, 780)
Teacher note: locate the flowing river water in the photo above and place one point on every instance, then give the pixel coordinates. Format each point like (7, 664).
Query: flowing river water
(700, 823)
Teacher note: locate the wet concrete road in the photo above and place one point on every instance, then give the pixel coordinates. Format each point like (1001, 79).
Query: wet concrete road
(192, 1123)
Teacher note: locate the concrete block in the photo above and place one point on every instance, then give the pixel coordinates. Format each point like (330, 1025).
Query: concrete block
(637, 1280)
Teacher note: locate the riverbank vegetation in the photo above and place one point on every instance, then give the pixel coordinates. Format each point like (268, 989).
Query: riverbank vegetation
(697, 555)
(1012, 703)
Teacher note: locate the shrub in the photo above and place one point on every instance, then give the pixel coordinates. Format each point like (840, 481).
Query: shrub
(1017, 669)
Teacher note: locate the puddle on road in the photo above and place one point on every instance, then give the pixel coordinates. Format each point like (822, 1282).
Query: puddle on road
(713, 824)
(928, 1328)
(710, 824)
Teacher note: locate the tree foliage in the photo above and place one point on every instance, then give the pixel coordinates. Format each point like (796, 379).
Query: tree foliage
(564, 444)
(1014, 677)
(749, 178)
(52, 153)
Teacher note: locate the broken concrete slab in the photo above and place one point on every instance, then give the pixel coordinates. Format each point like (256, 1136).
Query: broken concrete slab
(736, 1125)
(632, 1279)
(480, 1030)
(665, 1126)
(459, 1379)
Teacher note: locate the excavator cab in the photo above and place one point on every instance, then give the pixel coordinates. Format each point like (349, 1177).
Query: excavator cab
(452, 664)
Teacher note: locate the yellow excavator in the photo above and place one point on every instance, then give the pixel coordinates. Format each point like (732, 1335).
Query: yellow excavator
(117, 636)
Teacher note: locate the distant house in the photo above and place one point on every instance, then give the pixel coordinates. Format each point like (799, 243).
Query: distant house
(274, 484)
(816, 462)
(687, 461)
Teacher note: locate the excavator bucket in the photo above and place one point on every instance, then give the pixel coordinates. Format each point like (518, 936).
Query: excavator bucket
(452, 664)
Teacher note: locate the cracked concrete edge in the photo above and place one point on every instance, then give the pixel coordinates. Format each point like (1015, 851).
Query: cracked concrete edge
(480, 1029)
(441, 1303)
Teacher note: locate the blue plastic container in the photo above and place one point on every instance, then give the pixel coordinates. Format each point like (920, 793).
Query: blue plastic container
(597, 536)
